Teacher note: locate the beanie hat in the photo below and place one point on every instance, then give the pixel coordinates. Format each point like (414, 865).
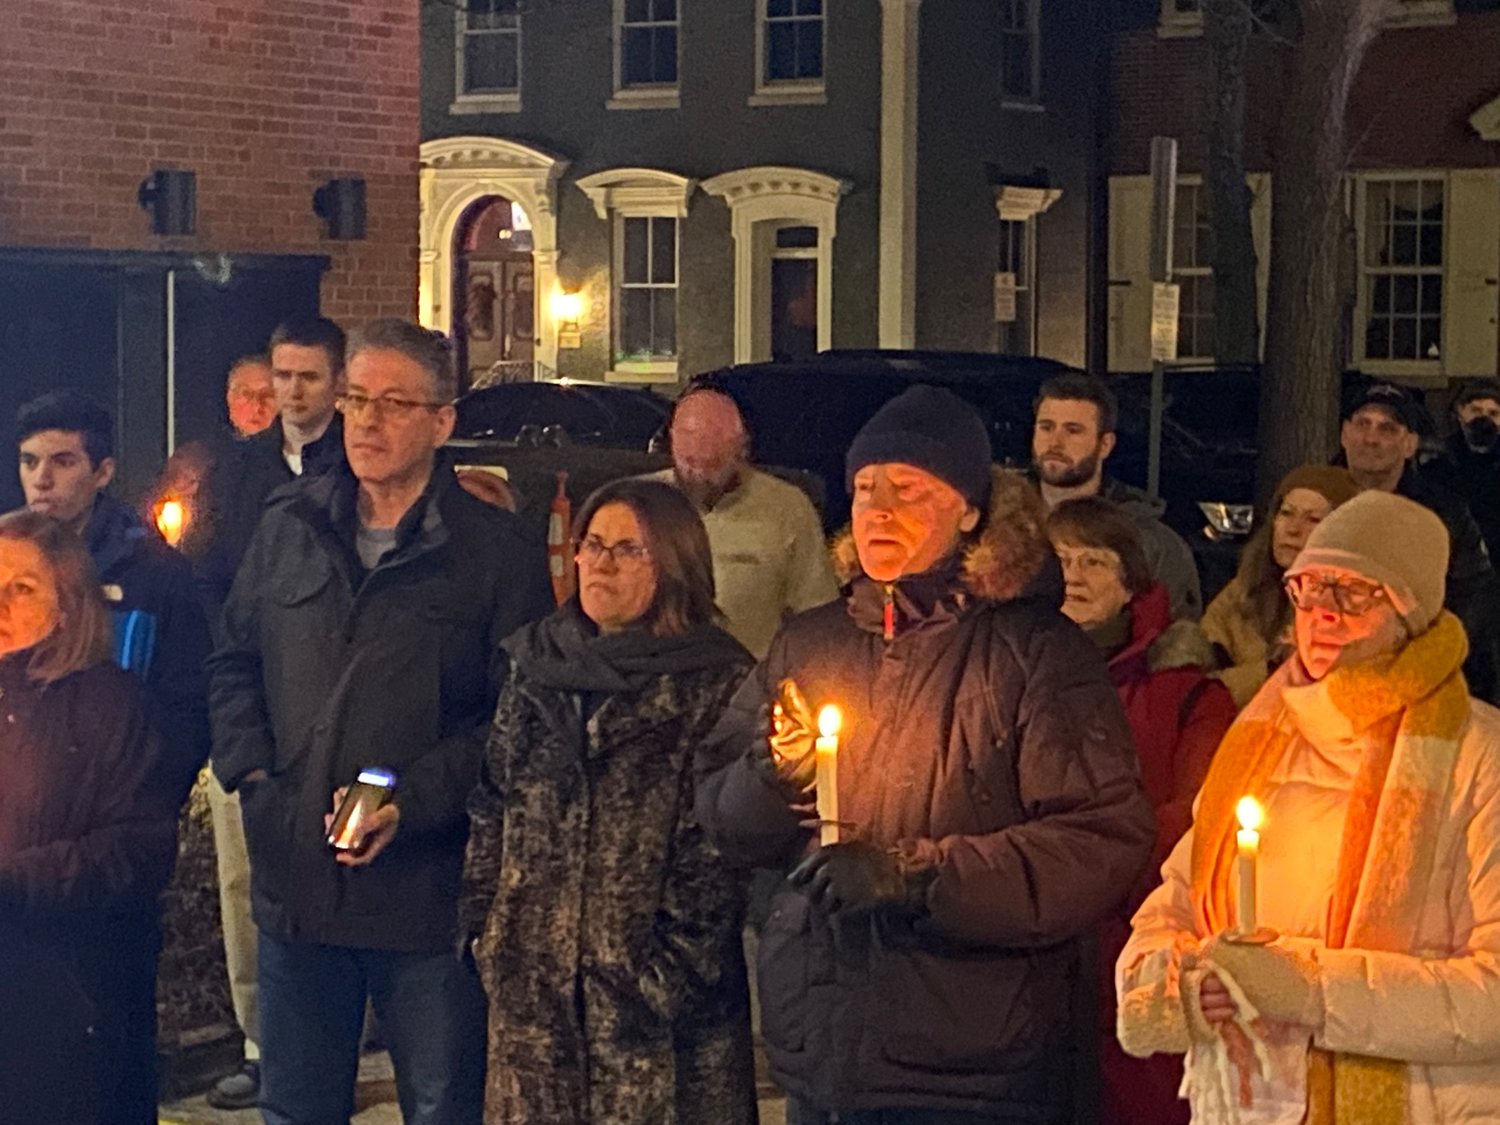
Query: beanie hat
(1473, 390)
(934, 430)
(1391, 540)
(1332, 482)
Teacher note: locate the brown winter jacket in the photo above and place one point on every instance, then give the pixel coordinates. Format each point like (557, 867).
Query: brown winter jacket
(986, 740)
(609, 927)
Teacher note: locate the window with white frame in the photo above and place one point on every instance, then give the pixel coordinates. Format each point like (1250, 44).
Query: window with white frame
(488, 58)
(1192, 271)
(645, 289)
(1020, 52)
(792, 42)
(1402, 236)
(1015, 284)
(646, 43)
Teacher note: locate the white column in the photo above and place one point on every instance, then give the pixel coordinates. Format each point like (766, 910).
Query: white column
(898, 173)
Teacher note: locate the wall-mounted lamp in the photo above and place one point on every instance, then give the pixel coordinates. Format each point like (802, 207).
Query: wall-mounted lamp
(170, 197)
(566, 308)
(340, 204)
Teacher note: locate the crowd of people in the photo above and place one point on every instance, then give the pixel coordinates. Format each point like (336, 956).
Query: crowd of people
(1009, 888)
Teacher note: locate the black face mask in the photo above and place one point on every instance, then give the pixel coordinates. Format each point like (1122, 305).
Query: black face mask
(1481, 433)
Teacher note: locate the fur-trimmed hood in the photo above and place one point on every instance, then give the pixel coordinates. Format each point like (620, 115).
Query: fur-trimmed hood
(1004, 559)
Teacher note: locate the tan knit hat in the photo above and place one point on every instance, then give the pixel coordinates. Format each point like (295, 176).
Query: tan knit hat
(1391, 540)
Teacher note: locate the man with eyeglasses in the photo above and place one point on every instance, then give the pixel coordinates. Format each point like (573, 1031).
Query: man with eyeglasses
(305, 370)
(363, 631)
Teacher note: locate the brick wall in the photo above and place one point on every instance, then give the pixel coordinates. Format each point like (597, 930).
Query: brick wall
(264, 99)
(1410, 106)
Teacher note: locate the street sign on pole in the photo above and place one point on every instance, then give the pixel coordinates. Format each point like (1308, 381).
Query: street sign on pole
(1163, 206)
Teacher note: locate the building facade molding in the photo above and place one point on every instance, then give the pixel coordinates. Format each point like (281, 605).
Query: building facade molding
(458, 172)
(760, 200)
(1017, 204)
(638, 191)
(1486, 121)
(900, 22)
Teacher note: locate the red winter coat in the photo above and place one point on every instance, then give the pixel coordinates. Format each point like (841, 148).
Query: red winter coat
(1177, 715)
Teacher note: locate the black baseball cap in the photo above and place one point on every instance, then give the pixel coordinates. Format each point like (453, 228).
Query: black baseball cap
(1475, 389)
(1398, 400)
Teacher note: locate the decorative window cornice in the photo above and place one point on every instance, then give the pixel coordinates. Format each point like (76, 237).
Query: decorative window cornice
(1017, 204)
(637, 191)
(771, 181)
(1486, 121)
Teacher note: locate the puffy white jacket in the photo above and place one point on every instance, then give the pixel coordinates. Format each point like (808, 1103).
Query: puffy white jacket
(1436, 1006)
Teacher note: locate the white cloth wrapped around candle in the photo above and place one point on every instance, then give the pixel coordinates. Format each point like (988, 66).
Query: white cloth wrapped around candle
(827, 748)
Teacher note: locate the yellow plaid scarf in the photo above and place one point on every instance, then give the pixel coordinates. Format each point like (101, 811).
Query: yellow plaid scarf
(1412, 706)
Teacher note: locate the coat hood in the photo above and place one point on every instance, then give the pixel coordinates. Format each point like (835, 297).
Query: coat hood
(1157, 643)
(1004, 559)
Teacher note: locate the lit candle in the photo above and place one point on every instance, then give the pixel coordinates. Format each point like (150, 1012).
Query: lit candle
(829, 721)
(170, 520)
(1250, 816)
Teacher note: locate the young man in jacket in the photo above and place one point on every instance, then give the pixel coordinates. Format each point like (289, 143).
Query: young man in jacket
(920, 970)
(363, 630)
(1071, 439)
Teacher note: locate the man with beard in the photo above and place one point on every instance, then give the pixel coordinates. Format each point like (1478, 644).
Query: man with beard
(770, 559)
(1472, 465)
(1072, 437)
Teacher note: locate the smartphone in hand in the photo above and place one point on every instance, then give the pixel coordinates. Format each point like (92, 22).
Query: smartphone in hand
(371, 790)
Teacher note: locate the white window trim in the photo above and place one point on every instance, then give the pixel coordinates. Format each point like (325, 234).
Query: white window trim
(1173, 24)
(786, 197)
(490, 101)
(1191, 180)
(1014, 204)
(661, 96)
(637, 193)
(805, 91)
(1034, 102)
(1418, 369)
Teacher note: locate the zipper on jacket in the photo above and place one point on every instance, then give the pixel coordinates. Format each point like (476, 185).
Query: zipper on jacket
(890, 612)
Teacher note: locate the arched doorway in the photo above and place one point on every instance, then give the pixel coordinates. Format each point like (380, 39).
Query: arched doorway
(494, 291)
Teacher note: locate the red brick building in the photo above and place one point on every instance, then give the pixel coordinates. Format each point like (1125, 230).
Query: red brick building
(264, 101)
(1423, 192)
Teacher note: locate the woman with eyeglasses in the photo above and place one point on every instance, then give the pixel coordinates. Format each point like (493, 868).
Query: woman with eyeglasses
(88, 832)
(1371, 994)
(605, 926)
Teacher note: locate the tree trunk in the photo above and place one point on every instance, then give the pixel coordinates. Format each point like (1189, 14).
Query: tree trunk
(1226, 27)
(1299, 394)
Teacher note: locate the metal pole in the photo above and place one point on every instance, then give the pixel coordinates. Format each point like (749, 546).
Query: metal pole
(1163, 209)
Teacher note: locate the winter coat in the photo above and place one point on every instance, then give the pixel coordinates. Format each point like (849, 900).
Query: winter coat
(244, 475)
(983, 741)
(609, 926)
(161, 633)
(1475, 478)
(325, 669)
(1177, 716)
(87, 839)
(1167, 553)
(1435, 1005)
(1229, 626)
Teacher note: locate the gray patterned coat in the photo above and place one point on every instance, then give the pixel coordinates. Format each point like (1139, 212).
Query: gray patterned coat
(608, 927)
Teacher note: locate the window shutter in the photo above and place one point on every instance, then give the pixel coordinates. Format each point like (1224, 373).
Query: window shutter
(1471, 297)
(1260, 235)
(1130, 273)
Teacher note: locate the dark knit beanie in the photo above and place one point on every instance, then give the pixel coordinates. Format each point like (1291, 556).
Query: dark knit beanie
(934, 430)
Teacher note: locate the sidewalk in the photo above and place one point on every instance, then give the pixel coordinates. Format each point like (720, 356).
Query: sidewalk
(375, 1099)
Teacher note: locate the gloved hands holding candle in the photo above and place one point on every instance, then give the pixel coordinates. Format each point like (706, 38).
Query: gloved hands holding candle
(1284, 983)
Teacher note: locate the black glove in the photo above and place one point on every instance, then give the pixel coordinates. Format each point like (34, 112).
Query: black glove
(857, 876)
(792, 740)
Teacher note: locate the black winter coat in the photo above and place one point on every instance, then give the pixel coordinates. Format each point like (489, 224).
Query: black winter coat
(985, 741)
(87, 839)
(161, 633)
(325, 669)
(244, 475)
(610, 928)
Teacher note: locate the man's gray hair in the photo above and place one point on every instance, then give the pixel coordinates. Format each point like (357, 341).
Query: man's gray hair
(432, 351)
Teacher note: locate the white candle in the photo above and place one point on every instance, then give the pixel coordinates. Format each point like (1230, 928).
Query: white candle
(1250, 816)
(827, 746)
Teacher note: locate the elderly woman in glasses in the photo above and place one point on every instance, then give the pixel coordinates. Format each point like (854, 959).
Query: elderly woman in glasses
(1371, 994)
(605, 926)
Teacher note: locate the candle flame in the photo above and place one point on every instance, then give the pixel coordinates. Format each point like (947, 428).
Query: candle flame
(830, 718)
(1251, 815)
(170, 520)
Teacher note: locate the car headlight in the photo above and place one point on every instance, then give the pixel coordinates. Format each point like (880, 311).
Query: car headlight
(1227, 521)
